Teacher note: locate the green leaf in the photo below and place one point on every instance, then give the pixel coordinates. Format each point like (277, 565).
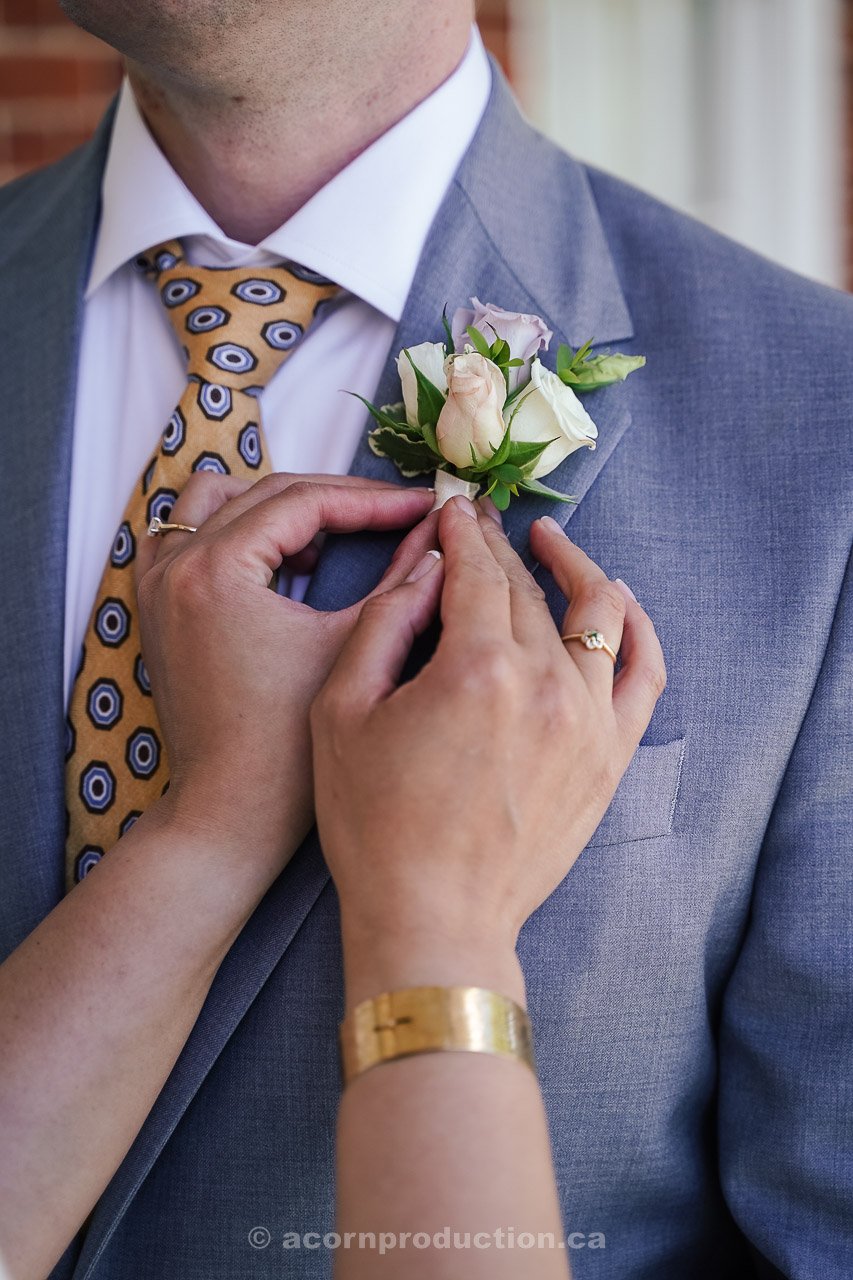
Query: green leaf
(528, 388)
(513, 395)
(414, 458)
(581, 355)
(524, 452)
(542, 490)
(501, 454)
(508, 474)
(385, 418)
(431, 438)
(449, 345)
(501, 352)
(565, 359)
(479, 342)
(602, 371)
(430, 399)
(516, 363)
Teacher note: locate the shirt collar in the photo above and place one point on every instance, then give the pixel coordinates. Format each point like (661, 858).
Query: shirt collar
(365, 229)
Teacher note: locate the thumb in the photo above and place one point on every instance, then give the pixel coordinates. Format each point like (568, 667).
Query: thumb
(371, 662)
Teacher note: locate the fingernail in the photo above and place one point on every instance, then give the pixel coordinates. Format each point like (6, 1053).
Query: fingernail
(625, 588)
(550, 523)
(465, 506)
(423, 567)
(489, 509)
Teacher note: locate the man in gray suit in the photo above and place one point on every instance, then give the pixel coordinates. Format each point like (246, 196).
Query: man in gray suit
(691, 984)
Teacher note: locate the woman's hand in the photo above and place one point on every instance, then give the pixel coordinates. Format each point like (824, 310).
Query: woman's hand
(234, 667)
(451, 807)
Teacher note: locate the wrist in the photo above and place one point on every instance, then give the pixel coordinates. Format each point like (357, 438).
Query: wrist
(240, 847)
(420, 954)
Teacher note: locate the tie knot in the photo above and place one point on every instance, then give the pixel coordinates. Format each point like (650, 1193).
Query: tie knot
(236, 325)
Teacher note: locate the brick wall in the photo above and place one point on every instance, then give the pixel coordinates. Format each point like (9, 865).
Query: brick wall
(55, 80)
(54, 84)
(493, 18)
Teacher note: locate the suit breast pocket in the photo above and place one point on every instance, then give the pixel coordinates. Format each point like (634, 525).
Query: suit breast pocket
(645, 800)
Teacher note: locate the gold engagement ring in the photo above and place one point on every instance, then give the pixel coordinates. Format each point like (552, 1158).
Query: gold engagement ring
(158, 526)
(592, 640)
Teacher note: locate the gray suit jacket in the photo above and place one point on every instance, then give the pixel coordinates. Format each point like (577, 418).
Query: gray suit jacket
(690, 982)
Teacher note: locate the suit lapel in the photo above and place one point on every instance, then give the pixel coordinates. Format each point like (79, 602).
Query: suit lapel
(47, 239)
(520, 228)
(490, 238)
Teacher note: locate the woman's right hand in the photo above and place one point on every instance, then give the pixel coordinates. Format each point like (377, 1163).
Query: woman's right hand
(451, 807)
(234, 667)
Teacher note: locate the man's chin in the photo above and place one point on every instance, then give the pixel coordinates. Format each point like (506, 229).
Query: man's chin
(154, 31)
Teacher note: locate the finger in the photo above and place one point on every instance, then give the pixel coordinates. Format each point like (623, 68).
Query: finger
(532, 623)
(281, 526)
(412, 549)
(204, 494)
(279, 481)
(369, 666)
(595, 603)
(475, 603)
(642, 677)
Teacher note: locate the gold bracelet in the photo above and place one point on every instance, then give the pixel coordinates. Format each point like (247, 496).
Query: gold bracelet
(433, 1020)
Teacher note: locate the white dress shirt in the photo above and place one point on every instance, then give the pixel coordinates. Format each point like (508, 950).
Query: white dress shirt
(131, 371)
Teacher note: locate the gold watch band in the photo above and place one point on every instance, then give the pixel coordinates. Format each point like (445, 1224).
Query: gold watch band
(433, 1020)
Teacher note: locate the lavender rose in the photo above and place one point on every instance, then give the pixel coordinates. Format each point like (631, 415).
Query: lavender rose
(525, 334)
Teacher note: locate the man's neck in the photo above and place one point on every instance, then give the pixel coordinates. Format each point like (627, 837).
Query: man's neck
(253, 158)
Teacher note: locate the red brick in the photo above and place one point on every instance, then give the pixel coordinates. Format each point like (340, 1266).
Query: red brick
(50, 77)
(495, 39)
(33, 13)
(98, 76)
(35, 77)
(32, 149)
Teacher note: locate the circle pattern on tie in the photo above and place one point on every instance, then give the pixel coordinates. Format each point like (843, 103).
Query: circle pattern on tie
(281, 335)
(130, 821)
(104, 704)
(203, 319)
(124, 547)
(212, 462)
(214, 401)
(235, 327)
(112, 622)
(160, 505)
(98, 786)
(249, 445)
(140, 675)
(89, 858)
(175, 434)
(263, 293)
(177, 292)
(143, 753)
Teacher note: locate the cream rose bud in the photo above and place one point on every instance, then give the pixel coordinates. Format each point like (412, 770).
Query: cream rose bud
(429, 359)
(473, 414)
(551, 411)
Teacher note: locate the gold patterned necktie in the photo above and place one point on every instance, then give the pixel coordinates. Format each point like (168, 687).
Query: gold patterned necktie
(236, 326)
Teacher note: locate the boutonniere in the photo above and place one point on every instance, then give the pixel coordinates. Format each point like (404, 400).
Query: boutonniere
(484, 413)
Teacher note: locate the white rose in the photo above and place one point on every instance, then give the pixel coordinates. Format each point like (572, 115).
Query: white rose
(472, 417)
(429, 359)
(550, 410)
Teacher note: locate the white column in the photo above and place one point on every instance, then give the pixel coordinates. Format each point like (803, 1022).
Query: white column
(732, 110)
